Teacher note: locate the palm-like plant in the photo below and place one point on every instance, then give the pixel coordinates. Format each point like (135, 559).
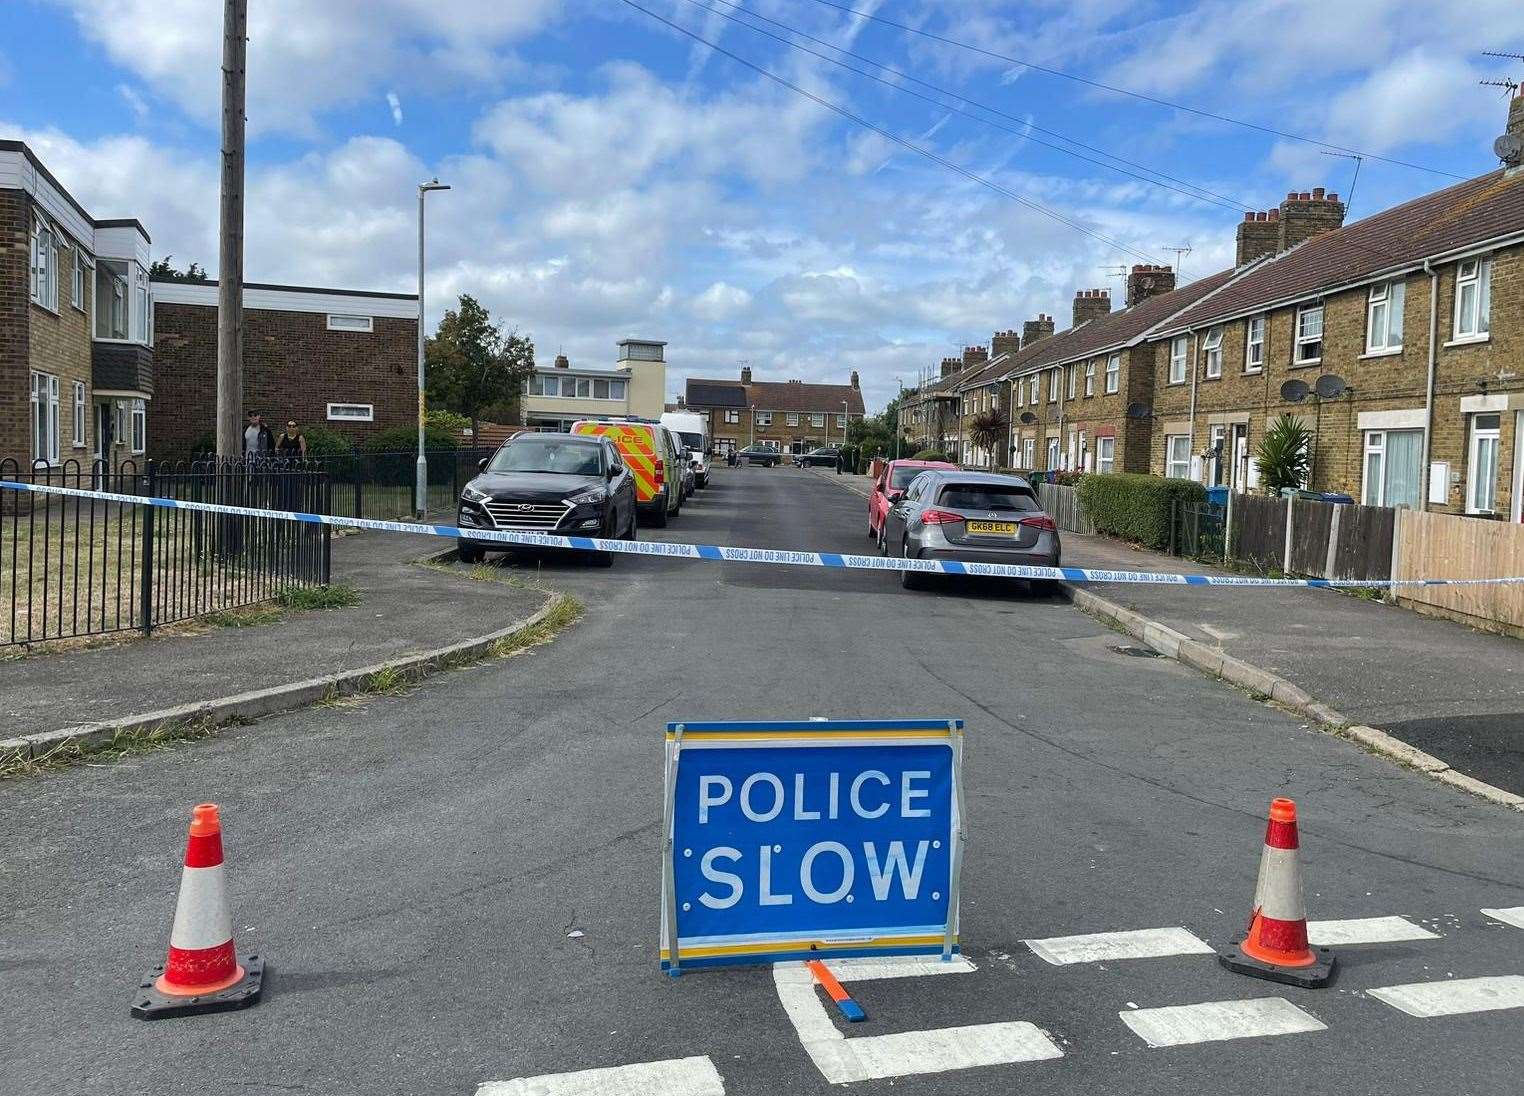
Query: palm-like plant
(1285, 454)
(988, 430)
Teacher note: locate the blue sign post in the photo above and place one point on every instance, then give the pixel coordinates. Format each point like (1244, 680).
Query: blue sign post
(811, 840)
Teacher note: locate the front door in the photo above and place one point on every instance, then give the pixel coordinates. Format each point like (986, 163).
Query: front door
(1240, 481)
(103, 421)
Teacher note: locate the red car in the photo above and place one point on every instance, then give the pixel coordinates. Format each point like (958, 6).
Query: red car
(889, 486)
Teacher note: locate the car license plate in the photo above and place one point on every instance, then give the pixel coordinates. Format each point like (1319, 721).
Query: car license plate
(993, 528)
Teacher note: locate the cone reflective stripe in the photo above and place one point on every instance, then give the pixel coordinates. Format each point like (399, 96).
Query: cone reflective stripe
(202, 972)
(1276, 944)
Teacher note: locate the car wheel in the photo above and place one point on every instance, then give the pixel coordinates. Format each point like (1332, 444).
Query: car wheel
(469, 553)
(629, 533)
(1046, 587)
(910, 580)
(883, 543)
(659, 518)
(872, 532)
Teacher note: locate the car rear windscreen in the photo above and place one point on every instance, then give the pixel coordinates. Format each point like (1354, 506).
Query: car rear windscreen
(571, 458)
(985, 496)
(900, 478)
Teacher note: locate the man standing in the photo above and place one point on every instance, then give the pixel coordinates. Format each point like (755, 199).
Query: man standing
(257, 438)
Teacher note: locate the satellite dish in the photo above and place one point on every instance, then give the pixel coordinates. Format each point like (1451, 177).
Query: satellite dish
(1027, 418)
(1330, 387)
(1294, 391)
(1137, 409)
(1509, 149)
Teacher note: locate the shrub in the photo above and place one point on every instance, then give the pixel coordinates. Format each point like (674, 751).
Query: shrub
(323, 442)
(443, 419)
(391, 455)
(1136, 507)
(1283, 456)
(930, 454)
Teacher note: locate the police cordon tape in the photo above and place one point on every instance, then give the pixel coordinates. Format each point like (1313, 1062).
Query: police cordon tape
(727, 554)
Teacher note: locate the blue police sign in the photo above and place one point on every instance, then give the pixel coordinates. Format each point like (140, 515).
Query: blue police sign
(811, 839)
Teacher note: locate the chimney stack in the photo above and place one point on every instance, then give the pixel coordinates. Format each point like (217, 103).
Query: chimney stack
(854, 379)
(1516, 129)
(1306, 214)
(562, 362)
(951, 366)
(1148, 280)
(1259, 235)
(1091, 304)
(1004, 342)
(745, 374)
(1033, 330)
(974, 356)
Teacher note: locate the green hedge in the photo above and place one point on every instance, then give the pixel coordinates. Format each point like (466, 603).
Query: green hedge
(1136, 507)
(930, 454)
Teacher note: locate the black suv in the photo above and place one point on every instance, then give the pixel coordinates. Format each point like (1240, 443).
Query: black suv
(764, 455)
(825, 457)
(566, 484)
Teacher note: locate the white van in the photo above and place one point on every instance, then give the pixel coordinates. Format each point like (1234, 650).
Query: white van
(691, 430)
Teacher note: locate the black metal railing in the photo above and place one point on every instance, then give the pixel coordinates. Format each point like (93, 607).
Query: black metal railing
(73, 566)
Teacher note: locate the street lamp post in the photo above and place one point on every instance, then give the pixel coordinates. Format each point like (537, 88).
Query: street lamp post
(422, 484)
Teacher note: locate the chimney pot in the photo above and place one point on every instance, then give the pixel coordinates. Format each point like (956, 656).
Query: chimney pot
(1290, 195)
(1317, 192)
(1334, 197)
(746, 374)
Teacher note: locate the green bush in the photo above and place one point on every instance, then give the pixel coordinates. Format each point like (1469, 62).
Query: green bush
(1136, 507)
(930, 454)
(323, 442)
(391, 455)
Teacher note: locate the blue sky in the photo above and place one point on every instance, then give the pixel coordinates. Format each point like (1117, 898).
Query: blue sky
(612, 177)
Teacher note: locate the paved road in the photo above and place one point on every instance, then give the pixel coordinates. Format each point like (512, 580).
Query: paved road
(412, 867)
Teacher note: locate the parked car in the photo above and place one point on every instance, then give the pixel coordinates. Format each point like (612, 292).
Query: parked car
(827, 456)
(890, 486)
(764, 455)
(549, 483)
(973, 518)
(652, 456)
(690, 428)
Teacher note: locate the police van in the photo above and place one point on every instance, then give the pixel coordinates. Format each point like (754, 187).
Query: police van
(654, 456)
(691, 429)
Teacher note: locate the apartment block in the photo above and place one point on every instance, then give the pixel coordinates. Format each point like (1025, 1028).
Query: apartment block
(556, 396)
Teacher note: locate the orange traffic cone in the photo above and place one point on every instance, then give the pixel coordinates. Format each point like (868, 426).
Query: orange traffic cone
(1276, 945)
(204, 973)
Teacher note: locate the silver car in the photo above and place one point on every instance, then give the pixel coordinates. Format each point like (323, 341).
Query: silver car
(973, 517)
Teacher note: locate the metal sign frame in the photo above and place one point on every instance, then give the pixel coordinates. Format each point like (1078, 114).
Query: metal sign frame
(793, 734)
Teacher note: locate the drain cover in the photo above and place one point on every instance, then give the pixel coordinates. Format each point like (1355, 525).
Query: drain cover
(1136, 652)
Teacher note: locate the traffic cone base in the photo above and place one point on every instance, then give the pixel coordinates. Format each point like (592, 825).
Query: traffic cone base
(1318, 972)
(152, 1003)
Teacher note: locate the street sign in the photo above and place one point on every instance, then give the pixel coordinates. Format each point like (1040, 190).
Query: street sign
(811, 839)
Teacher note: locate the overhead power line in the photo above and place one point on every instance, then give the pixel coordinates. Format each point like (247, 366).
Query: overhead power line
(972, 176)
(1061, 74)
(1185, 187)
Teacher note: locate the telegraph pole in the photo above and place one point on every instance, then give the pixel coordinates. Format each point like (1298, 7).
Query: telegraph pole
(235, 23)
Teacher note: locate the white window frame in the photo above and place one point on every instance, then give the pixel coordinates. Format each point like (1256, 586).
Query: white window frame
(1254, 345)
(1305, 337)
(1054, 453)
(733, 417)
(1179, 348)
(791, 418)
(1113, 374)
(1055, 384)
(841, 421)
(1028, 452)
(339, 412)
(1090, 377)
(618, 387)
(81, 407)
(1383, 312)
(43, 281)
(818, 420)
(1105, 454)
(1212, 348)
(1172, 463)
(1036, 389)
(1073, 381)
(351, 322)
(77, 281)
(1473, 322)
(1475, 484)
(139, 427)
(44, 417)
(764, 418)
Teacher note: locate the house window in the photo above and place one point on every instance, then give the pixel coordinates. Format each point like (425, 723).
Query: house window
(1393, 467)
(110, 299)
(1113, 373)
(1473, 299)
(1177, 456)
(44, 264)
(817, 419)
(77, 436)
(142, 323)
(841, 421)
(1254, 346)
(45, 417)
(139, 426)
(1482, 490)
(1212, 346)
(1383, 317)
(1055, 379)
(1052, 453)
(351, 412)
(1028, 452)
(1177, 349)
(340, 322)
(1105, 454)
(1073, 377)
(1036, 389)
(1090, 378)
(617, 389)
(764, 418)
(732, 416)
(77, 281)
(600, 388)
(792, 418)
(1309, 335)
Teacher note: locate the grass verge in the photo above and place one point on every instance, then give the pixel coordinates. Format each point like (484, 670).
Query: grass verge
(122, 745)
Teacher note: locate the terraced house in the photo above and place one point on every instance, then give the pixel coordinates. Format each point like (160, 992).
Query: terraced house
(790, 416)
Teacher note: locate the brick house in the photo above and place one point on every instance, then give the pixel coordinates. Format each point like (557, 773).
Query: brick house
(1401, 418)
(791, 416)
(76, 330)
(337, 358)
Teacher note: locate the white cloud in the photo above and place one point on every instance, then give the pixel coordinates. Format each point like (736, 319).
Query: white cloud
(395, 103)
(135, 102)
(721, 302)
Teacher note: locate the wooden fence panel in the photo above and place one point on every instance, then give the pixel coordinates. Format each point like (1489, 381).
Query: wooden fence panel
(1311, 526)
(1259, 531)
(1063, 506)
(1364, 547)
(1446, 546)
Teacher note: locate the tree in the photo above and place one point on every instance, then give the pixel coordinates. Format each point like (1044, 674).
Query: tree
(473, 367)
(162, 270)
(1285, 454)
(988, 430)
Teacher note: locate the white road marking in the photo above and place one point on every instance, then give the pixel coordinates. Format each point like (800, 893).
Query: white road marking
(674, 1077)
(1214, 1021)
(1513, 915)
(1453, 998)
(1107, 946)
(1366, 930)
(843, 1061)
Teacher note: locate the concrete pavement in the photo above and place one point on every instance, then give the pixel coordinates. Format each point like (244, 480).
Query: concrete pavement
(414, 869)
